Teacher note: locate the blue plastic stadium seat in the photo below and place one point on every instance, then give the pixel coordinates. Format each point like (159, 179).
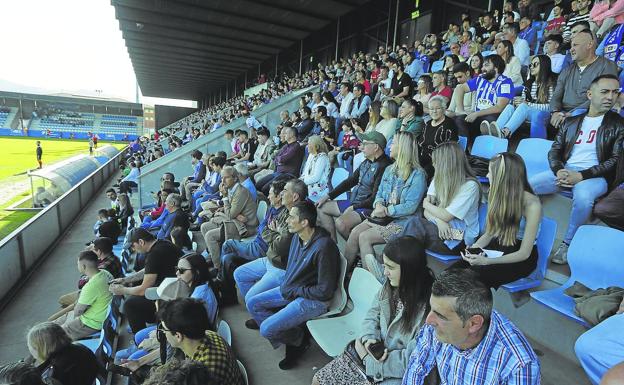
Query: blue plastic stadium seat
(486, 146)
(545, 240)
(595, 259)
(339, 175)
(534, 152)
(463, 141)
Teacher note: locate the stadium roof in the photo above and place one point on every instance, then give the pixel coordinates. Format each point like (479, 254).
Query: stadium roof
(182, 48)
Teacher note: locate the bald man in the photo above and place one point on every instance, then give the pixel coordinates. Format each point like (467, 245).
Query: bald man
(570, 95)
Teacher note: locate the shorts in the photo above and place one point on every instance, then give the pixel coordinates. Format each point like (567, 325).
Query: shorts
(343, 205)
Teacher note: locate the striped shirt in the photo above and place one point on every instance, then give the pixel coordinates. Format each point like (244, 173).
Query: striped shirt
(487, 93)
(532, 95)
(503, 356)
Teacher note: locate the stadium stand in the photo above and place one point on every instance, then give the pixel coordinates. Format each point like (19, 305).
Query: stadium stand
(516, 231)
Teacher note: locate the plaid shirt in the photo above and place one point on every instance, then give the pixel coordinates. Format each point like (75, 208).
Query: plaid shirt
(217, 355)
(504, 356)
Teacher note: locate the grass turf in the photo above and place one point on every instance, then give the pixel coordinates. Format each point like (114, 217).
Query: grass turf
(17, 155)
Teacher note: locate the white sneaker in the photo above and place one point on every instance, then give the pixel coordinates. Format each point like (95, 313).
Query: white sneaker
(495, 131)
(485, 128)
(561, 256)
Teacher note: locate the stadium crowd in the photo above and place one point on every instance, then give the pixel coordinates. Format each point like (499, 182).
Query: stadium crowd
(393, 129)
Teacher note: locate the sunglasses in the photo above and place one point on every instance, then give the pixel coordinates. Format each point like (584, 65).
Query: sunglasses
(160, 333)
(533, 65)
(181, 270)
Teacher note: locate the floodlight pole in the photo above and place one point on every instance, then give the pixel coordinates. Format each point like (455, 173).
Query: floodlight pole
(388, 29)
(337, 37)
(300, 56)
(396, 23)
(276, 58)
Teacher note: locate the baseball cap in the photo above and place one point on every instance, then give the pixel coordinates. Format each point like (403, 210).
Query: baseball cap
(375, 137)
(168, 290)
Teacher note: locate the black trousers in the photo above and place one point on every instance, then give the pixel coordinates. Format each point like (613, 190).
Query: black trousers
(140, 311)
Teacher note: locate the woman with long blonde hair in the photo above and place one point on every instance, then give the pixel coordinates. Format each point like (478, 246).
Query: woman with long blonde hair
(400, 193)
(316, 169)
(450, 217)
(513, 218)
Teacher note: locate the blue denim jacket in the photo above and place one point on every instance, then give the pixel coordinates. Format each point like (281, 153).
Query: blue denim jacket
(411, 195)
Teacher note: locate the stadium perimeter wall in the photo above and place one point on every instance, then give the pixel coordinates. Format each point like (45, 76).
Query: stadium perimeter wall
(23, 249)
(178, 162)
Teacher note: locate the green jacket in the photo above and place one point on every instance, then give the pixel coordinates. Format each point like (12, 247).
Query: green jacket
(415, 125)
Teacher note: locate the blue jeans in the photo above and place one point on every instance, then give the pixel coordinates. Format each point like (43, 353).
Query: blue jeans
(248, 250)
(513, 117)
(133, 352)
(281, 319)
(346, 164)
(584, 194)
(601, 347)
(257, 276)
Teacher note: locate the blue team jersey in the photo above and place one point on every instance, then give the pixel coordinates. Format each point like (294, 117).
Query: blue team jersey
(487, 93)
(614, 45)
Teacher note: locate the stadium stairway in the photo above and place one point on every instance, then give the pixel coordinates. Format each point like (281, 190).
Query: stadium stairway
(10, 118)
(178, 162)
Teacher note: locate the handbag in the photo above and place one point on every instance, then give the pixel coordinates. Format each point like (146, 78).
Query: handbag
(384, 221)
(351, 354)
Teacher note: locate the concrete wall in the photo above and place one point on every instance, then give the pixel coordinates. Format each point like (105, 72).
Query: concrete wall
(24, 248)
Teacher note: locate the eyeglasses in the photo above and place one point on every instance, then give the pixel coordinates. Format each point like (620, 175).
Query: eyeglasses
(160, 333)
(533, 65)
(181, 270)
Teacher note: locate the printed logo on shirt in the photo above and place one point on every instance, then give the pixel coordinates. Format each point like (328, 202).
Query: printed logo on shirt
(588, 139)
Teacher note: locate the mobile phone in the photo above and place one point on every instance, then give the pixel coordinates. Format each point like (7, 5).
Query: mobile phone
(377, 349)
(474, 250)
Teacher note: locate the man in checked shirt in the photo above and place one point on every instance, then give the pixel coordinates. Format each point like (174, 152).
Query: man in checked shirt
(465, 342)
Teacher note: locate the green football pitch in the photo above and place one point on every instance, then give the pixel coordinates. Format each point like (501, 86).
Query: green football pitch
(17, 156)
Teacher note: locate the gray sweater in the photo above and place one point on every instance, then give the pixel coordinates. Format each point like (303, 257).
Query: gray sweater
(381, 325)
(572, 85)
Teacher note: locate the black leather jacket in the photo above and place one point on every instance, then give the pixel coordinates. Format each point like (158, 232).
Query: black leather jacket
(608, 145)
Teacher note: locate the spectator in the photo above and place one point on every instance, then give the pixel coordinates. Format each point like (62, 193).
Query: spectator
(527, 32)
(461, 71)
(413, 68)
(103, 248)
(424, 89)
(184, 323)
(174, 216)
(288, 161)
(395, 326)
(513, 220)
(199, 174)
(309, 283)
(411, 117)
(486, 33)
(238, 210)
(110, 227)
(247, 148)
(528, 9)
(210, 187)
(581, 14)
(268, 272)
(243, 178)
(584, 156)
(521, 47)
(400, 193)
(130, 180)
(374, 116)
(570, 96)
(57, 358)
(556, 25)
(608, 208)
(316, 170)
(512, 64)
(403, 88)
(229, 137)
(361, 102)
(304, 128)
(533, 107)
(438, 130)
(476, 65)
(360, 78)
(466, 38)
(462, 320)
(493, 91)
(389, 122)
(550, 10)
(126, 211)
(612, 47)
(552, 45)
(346, 101)
(600, 349)
(179, 237)
(21, 373)
(363, 184)
(331, 104)
(262, 157)
(160, 260)
(439, 88)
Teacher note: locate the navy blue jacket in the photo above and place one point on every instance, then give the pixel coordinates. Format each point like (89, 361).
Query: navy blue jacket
(312, 270)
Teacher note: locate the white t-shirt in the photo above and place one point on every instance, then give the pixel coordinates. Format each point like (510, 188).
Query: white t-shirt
(465, 208)
(584, 155)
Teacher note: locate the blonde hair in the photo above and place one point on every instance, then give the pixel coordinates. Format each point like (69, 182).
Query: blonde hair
(318, 144)
(454, 170)
(508, 183)
(407, 154)
(46, 338)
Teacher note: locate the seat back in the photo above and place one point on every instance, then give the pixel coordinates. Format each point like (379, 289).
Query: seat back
(486, 146)
(482, 217)
(243, 372)
(463, 142)
(534, 152)
(357, 160)
(261, 211)
(545, 241)
(225, 332)
(595, 257)
(339, 300)
(362, 289)
(339, 175)
(341, 134)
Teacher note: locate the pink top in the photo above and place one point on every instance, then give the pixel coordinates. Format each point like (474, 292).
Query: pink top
(601, 11)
